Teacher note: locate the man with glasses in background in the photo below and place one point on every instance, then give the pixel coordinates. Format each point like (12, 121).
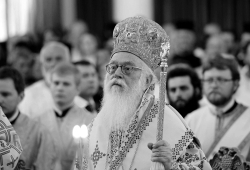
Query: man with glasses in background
(223, 122)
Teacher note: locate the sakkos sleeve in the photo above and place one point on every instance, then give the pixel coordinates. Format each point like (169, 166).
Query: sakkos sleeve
(192, 159)
(10, 145)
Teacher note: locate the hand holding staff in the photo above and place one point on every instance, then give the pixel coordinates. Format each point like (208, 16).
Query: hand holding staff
(160, 121)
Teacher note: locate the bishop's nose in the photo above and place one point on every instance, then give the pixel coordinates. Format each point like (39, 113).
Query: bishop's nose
(118, 73)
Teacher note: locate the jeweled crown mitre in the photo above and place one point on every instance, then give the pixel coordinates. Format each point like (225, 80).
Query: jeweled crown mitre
(142, 37)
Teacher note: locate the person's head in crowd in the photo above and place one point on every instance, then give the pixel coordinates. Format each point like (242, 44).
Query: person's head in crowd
(11, 90)
(245, 36)
(214, 46)
(103, 57)
(89, 79)
(52, 54)
(229, 40)
(183, 88)
(244, 40)
(11, 42)
(108, 36)
(21, 58)
(53, 34)
(76, 30)
(185, 41)
(64, 86)
(184, 38)
(88, 44)
(169, 28)
(246, 53)
(220, 80)
(37, 69)
(211, 29)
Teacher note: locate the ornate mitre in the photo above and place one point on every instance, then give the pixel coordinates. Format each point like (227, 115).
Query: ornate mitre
(142, 37)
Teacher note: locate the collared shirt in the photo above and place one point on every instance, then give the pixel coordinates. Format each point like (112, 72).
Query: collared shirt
(61, 113)
(220, 111)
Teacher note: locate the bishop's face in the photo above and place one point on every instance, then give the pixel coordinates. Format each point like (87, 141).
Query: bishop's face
(124, 86)
(119, 79)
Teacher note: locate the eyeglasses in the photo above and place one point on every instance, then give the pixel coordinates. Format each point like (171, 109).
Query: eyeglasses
(126, 69)
(216, 80)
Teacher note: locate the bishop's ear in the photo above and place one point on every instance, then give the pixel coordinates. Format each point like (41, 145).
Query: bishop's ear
(149, 80)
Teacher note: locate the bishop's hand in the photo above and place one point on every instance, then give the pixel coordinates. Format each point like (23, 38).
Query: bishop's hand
(161, 152)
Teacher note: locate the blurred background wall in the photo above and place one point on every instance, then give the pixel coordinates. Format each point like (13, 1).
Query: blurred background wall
(20, 16)
(229, 14)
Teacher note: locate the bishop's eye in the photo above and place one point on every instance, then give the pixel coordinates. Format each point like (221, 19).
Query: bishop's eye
(127, 69)
(111, 68)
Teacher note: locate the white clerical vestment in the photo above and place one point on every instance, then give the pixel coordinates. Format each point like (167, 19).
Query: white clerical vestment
(38, 147)
(61, 129)
(229, 129)
(243, 93)
(38, 99)
(127, 150)
(10, 146)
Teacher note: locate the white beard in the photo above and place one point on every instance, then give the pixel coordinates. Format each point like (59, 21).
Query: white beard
(120, 104)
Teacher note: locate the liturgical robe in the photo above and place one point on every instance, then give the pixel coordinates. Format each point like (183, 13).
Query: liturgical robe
(38, 147)
(228, 127)
(127, 150)
(61, 128)
(10, 146)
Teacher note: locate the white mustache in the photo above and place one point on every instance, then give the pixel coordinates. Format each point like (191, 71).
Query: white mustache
(118, 82)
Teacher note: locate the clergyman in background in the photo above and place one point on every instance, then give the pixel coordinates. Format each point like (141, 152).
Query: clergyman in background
(183, 88)
(223, 122)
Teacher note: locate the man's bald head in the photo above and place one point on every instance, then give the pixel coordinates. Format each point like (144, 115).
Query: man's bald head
(52, 54)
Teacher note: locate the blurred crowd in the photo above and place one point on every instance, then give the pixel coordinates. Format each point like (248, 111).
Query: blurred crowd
(197, 76)
(22, 52)
(188, 48)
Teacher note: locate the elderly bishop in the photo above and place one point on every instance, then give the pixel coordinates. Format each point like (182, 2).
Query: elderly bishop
(123, 135)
